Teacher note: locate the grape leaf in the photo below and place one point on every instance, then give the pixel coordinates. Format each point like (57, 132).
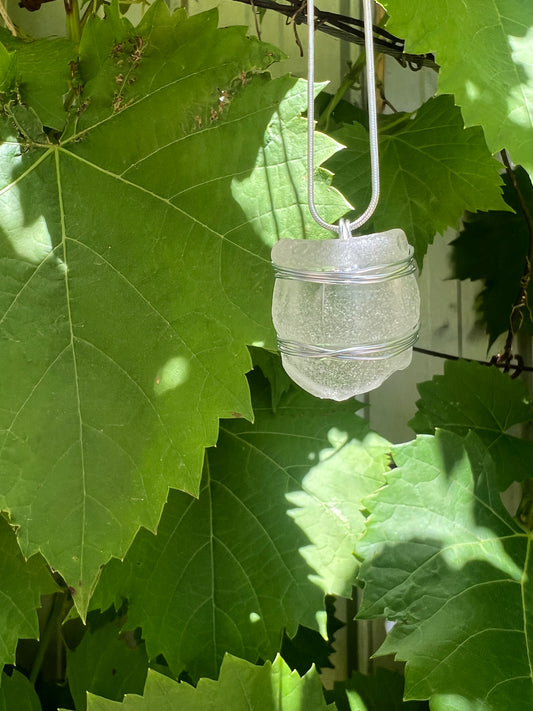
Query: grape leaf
(432, 170)
(135, 269)
(230, 571)
(493, 247)
(18, 693)
(443, 558)
(485, 53)
(106, 664)
(21, 585)
(44, 90)
(241, 686)
(470, 396)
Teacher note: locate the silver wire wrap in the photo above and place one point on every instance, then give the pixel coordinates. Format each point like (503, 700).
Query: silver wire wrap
(368, 275)
(374, 351)
(372, 119)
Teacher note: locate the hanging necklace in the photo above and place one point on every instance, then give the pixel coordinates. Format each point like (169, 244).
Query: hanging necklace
(346, 310)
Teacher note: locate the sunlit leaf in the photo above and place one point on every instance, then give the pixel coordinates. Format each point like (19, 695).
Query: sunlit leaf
(231, 571)
(485, 53)
(453, 702)
(445, 561)
(135, 269)
(241, 686)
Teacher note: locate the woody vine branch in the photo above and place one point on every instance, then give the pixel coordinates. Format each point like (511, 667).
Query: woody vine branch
(346, 28)
(516, 317)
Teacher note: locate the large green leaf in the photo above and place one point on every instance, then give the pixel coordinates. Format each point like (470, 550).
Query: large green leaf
(432, 170)
(18, 693)
(493, 247)
(106, 663)
(485, 52)
(230, 571)
(135, 269)
(446, 561)
(240, 687)
(21, 585)
(470, 396)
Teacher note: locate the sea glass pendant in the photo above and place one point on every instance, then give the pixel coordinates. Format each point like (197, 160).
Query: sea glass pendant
(346, 311)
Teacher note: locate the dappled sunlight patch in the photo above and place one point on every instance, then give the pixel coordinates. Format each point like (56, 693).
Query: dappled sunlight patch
(171, 375)
(328, 507)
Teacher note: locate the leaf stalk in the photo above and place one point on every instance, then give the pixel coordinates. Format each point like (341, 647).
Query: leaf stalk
(348, 29)
(72, 11)
(349, 80)
(61, 603)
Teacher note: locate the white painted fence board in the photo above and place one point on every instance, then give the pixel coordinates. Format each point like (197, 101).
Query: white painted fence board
(331, 55)
(48, 21)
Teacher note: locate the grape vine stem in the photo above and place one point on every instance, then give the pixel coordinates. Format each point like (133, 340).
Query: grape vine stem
(516, 315)
(60, 605)
(346, 28)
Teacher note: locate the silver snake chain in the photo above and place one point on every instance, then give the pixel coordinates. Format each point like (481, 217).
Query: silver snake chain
(344, 228)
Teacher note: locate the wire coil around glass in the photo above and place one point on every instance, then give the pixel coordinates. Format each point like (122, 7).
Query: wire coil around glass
(366, 275)
(374, 351)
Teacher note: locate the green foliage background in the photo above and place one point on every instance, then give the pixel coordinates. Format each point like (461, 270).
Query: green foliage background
(144, 177)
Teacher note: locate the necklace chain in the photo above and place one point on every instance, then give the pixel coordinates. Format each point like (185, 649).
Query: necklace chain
(372, 120)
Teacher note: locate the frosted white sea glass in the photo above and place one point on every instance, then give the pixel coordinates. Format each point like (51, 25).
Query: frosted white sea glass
(373, 320)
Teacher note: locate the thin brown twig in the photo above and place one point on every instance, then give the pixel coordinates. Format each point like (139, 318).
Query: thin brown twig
(294, 21)
(349, 29)
(257, 28)
(449, 356)
(516, 317)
